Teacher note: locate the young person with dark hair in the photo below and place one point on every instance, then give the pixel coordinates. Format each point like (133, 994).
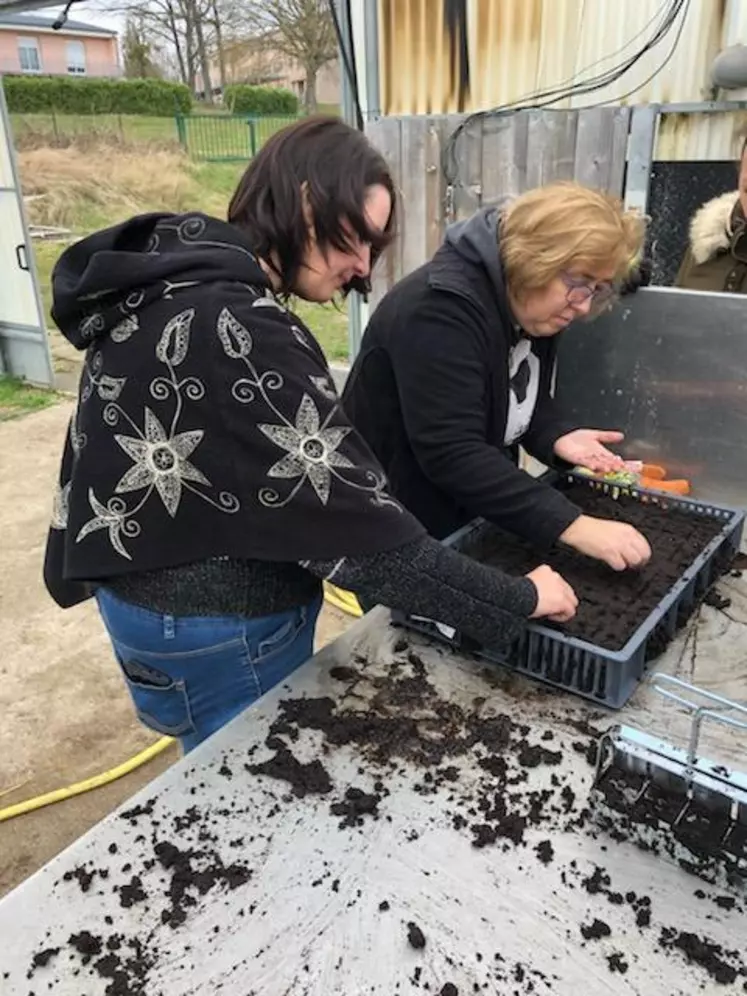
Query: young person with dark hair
(210, 479)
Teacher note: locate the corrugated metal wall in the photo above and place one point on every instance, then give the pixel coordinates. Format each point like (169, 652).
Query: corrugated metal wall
(701, 136)
(440, 57)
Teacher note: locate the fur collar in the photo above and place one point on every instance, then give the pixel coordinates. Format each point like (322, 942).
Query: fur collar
(710, 228)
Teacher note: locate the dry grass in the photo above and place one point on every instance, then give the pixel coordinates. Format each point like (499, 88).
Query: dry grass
(91, 184)
(84, 185)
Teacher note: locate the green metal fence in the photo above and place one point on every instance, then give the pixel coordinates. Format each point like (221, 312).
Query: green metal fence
(226, 137)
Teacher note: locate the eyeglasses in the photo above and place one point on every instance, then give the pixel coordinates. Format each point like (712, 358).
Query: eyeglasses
(580, 291)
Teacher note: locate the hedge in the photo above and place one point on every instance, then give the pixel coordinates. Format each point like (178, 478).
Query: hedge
(242, 99)
(70, 95)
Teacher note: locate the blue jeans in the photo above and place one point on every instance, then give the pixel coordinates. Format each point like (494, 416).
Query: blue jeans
(190, 675)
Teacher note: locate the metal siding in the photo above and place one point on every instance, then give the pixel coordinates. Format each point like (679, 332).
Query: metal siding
(701, 136)
(517, 47)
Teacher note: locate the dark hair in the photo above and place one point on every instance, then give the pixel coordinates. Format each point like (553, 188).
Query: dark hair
(338, 164)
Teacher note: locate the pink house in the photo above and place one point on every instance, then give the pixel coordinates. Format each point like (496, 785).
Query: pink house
(30, 44)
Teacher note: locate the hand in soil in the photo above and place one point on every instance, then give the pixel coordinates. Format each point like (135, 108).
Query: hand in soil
(556, 599)
(586, 448)
(616, 543)
(612, 604)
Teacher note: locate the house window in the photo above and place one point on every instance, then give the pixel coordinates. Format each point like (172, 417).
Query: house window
(28, 55)
(76, 58)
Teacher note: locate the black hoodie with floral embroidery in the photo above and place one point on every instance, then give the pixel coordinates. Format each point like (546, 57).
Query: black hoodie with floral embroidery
(207, 422)
(209, 468)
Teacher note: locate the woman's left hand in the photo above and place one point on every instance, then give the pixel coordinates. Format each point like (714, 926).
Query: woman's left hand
(585, 448)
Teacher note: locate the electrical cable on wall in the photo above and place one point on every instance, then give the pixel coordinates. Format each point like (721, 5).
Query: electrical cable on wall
(347, 54)
(673, 10)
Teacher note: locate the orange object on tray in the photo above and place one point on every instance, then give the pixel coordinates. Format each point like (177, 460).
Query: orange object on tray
(675, 487)
(653, 472)
(654, 478)
(650, 476)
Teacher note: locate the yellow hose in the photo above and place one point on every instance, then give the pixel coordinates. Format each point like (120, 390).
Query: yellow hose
(341, 599)
(90, 783)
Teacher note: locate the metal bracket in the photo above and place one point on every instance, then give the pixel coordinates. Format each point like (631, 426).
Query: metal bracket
(641, 142)
(700, 712)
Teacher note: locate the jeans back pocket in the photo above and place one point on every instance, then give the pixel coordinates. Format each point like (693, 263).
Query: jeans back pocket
(284, 635)
(160, 701)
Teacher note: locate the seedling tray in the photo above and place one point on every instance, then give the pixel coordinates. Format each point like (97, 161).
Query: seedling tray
(589, 669)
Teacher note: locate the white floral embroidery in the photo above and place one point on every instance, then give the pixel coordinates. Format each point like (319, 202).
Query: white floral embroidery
(268, 302)
(325, 387)
(170, 286)
(124, 329)
(234, 337)
(191, 228)
(174, 341)
(114, 517)
(237, 344)
(310, 443)
(189, 231)
(133, 301)
(160, 456)
(311, 449)
(77, 439)
(91, 325)
(97, 295)
(300, 336)
(61, 507)
(107, 387)
(160, 461)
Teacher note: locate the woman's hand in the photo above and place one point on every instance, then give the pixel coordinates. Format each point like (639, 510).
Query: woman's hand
(585, 448)
(616, 543)
(556, 599)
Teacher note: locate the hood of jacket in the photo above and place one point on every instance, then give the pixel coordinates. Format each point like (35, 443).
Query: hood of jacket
(476, 241)
(712, 226)
(106, 278)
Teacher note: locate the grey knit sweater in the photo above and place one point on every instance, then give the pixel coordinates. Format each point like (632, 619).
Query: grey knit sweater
(422, 577)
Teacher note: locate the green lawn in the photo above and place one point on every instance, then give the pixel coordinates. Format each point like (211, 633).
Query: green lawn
(130, 127)
(206, 136)
(17, 398)
(228, 137)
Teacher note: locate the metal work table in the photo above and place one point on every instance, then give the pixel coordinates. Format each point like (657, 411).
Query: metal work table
(279, 898)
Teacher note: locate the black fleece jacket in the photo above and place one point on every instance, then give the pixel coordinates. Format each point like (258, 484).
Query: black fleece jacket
(429, 393)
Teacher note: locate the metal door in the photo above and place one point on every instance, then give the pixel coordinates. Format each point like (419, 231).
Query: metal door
(24, 348)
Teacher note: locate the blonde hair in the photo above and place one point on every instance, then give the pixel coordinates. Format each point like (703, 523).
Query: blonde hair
(565, 225)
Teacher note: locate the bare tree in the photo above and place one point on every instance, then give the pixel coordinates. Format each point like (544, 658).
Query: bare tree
(302, 30)
(217, 24)
(181, 26)
(195, 14)
(202, 35)
(138, 52)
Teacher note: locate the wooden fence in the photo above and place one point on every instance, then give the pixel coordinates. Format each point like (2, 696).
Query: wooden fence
(495, 157)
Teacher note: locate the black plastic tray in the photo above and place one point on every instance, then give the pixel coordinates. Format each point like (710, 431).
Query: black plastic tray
(607, 677)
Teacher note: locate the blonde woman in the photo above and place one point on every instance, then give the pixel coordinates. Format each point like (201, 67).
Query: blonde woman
(456, 366)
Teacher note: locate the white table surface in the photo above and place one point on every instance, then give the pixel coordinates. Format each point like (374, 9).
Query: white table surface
(307, 919)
